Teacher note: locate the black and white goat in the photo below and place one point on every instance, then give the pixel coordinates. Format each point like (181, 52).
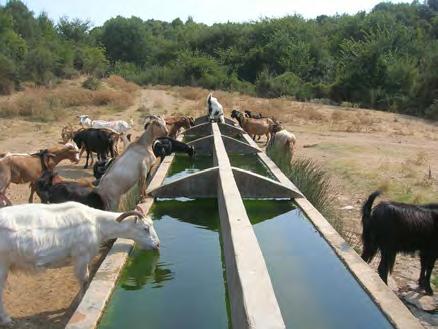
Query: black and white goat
(166, 146)
(394, 227)
(215, 109)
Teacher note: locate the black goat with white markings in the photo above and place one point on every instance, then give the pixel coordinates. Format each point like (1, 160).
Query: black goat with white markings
(166, 146)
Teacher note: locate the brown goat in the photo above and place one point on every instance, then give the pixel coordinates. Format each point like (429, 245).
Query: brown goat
(175, 123)
(254, 127)
(27, 168)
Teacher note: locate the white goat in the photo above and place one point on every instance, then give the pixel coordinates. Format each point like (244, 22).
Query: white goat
(133, 165)
(118, 126)
(39, 236)
(215, 109)
(281, 147)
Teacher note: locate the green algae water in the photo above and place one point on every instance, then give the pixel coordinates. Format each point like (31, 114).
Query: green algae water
(183, 285)
(251, 162)
(313, 287)
(184, 165)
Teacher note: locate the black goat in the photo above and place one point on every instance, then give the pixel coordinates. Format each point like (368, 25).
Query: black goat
(99, 168)
(394, 227)
(250, 114)
(51, 189)
(100, 141)
(166, 146)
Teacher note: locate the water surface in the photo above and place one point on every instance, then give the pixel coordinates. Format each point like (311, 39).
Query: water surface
(184, 165)
(182, 286)
(313, 287)
(252, 163)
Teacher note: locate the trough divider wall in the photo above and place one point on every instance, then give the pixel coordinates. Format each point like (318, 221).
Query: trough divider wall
(252, 299)
(385, 299)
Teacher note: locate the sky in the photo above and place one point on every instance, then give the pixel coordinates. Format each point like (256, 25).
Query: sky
(205, 11)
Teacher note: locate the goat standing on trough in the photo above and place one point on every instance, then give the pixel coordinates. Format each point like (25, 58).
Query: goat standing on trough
(254, 127)
(394, 227)
(39, 236)
(132, 166)
(281, 146)
(215, 109)
(24, 168)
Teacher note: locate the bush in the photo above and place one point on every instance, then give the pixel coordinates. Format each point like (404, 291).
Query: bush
(7, 75)
(39, 65)
(432, 111)
(91, 83)
(315, 184)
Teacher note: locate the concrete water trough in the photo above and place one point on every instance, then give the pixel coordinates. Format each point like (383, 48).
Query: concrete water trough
(241, 247)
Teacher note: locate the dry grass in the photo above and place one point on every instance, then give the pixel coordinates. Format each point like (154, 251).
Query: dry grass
(117, 82)
(43, 104)
(191, 93)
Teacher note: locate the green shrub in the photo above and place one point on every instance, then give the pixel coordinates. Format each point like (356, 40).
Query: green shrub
(432, 111)
(314, 183)
(91, 83)
(7, 75)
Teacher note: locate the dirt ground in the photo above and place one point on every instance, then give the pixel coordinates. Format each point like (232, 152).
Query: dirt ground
(362, 150)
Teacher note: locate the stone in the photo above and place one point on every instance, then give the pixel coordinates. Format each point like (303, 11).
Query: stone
(424, 303)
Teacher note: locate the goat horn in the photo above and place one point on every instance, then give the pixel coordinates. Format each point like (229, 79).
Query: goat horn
(129, 213)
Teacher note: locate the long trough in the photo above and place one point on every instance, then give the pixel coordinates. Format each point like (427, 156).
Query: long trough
(284, 265)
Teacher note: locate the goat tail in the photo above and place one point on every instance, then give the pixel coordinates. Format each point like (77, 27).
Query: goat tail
(367, 206)
(370, 246)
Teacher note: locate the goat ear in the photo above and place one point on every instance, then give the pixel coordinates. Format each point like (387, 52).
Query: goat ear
(139, 209)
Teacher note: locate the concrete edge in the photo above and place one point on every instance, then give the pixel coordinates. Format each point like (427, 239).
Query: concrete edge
(252, 185)
(93, 304)
(233, 145)
(385, 299)
(201, 184)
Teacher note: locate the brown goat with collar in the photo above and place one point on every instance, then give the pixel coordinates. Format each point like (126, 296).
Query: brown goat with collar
(19, 168)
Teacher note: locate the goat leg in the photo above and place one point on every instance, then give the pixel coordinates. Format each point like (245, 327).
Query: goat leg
(86, 162)
(82, 273)
(421, 280)
(32, 191)
(429, 268)
(4, 317)
(4, 201)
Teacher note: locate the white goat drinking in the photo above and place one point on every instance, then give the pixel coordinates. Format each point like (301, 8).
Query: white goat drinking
(39, 236)
(215, 109)
(133, 165)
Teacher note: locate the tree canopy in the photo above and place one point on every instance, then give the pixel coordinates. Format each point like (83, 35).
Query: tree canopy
(385, 59)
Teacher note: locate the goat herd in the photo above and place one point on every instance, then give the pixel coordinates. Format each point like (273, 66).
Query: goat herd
(76, 217)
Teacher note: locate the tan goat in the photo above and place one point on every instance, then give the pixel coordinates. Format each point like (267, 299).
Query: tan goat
(254, 127)
(132, 166)
(175, 123)
(281, 147)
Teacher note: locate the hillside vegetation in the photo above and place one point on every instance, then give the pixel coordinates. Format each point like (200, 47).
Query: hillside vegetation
(385, 59)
